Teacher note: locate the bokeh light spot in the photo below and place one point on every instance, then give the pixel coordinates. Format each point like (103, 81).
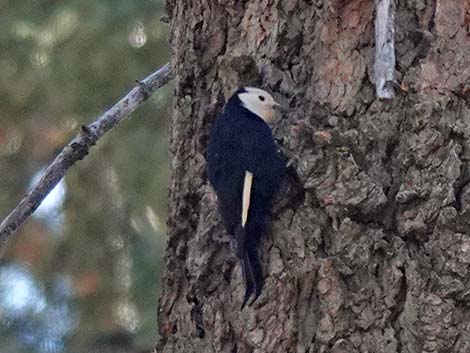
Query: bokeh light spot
(138, 37)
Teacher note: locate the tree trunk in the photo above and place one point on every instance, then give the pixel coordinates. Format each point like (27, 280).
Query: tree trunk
(370, 247)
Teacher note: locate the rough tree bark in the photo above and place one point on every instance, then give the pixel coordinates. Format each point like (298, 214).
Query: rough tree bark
(370, 249)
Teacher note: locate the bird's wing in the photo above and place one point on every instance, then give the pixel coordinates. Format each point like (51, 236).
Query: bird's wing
(248, 182)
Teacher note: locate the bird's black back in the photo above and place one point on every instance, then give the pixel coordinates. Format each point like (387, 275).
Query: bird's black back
(240, 141)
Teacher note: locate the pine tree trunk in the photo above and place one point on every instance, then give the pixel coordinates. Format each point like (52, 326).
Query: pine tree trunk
(370, 247)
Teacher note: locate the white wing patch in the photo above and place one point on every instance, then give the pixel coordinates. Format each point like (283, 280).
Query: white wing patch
(246, 196)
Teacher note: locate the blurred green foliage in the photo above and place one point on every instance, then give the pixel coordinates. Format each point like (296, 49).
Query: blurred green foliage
(97, 253)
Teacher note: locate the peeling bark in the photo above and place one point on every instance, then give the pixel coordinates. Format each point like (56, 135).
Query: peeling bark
(370, 247)
(384, 48)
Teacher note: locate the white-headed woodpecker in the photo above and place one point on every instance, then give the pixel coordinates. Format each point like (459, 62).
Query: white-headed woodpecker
(246, 170)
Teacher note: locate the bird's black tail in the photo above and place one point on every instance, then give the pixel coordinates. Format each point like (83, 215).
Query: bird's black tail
(248, 242)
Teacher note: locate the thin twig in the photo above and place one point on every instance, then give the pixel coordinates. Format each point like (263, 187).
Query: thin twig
(77, 149)
(384, 48)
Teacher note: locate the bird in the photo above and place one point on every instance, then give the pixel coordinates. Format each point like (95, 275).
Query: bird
(245, 169)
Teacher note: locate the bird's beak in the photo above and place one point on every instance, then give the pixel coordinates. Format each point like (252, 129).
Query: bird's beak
(281, 108)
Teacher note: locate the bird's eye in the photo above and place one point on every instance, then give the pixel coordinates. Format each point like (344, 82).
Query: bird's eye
(261, 98)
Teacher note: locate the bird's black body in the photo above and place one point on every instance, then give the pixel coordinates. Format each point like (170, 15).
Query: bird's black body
(241, 141)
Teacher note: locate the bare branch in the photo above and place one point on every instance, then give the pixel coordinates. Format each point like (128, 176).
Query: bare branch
(77, 149)
(384, 48)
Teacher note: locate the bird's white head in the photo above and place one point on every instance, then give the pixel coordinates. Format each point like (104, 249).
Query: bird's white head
(259, 102)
